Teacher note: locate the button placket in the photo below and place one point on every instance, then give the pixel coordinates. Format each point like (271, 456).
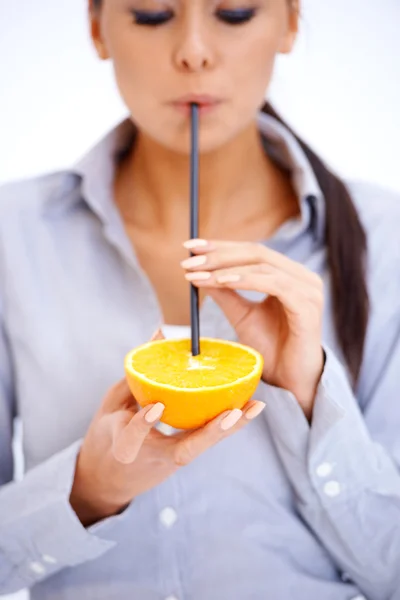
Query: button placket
(332, 489)
(324, 470)
(168, 517)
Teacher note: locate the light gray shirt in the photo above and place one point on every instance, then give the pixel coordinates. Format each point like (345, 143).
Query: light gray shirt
(280, 511)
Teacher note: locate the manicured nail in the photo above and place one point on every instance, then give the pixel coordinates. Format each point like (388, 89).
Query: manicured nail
(155, 413)
(199, 276)
(254, 411)
(191, 244)
(228, 278)
(231, 419)
(195, 261)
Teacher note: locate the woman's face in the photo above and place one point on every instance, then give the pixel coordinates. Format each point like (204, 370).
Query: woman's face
(167, 53)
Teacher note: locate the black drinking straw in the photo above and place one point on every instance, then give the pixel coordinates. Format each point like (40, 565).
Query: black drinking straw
(194, 224)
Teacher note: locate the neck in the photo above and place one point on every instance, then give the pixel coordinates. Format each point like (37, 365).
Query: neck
(239, 184)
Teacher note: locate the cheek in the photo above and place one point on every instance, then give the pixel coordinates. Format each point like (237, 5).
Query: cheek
(132, 61)
(134, 72)
(253, 65)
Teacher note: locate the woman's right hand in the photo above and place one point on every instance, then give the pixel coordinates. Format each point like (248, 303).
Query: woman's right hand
(123, 456)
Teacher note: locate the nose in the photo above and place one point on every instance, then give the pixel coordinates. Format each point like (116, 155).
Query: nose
(193, 52)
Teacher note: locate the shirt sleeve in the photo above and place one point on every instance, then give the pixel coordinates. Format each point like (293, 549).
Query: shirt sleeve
(39, 532)
(344, 467)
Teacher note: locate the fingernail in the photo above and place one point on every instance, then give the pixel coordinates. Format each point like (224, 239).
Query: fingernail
(155, 413)
(195, 261)
(254, 411)
(231, 419)
(191, 244)
(228, 278)
(199, 276)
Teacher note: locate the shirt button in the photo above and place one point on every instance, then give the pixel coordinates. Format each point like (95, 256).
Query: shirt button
(171, 598)
(359, 598)
(332, 489)
(49, 559)
(37, 568)
(168, 517)
(324, 470)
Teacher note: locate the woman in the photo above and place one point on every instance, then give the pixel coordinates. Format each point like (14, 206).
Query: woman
(304, 500)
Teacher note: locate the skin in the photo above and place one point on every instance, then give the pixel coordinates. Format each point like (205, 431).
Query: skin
(194, 52)
(122, 455)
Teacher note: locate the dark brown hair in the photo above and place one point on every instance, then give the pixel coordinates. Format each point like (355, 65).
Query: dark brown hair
(347, 247)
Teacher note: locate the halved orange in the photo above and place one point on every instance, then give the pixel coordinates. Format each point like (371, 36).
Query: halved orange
(194, 390)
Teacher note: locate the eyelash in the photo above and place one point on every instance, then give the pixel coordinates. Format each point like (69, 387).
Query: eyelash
(236, 17)
(230, 17)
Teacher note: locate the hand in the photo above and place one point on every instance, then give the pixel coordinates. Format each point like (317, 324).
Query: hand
(122, 456)
(285, 327)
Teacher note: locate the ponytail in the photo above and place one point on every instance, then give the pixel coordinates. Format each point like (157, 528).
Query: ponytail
(347, 247)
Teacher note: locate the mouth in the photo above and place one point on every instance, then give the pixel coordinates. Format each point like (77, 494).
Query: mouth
(205, 103)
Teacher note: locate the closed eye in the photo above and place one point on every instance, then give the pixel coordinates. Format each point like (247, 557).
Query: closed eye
(152, 19)
(231, 17)
(236, 17)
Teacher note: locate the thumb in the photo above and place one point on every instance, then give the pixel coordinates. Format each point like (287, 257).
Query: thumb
(234, 306)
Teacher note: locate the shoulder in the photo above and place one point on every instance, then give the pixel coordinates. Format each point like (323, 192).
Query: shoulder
(30, 198)
(379, 210)
(26, 208)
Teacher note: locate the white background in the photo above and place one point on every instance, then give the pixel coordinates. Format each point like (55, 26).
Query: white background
(340, 89)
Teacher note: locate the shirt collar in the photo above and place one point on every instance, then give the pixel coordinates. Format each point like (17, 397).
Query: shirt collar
(97, 168)
(282, 146)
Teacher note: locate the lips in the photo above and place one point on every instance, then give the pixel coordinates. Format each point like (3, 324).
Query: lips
(205, 102)
(202, 100)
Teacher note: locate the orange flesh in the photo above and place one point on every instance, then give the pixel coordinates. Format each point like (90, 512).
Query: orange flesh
(173, 364)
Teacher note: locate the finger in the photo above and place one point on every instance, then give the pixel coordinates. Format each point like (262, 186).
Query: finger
(235, 307)
(297, 298)
(117, 421)
(128, 436)
(192, 445)
(258, 278)
(253, 409)
(118, 396)
(224, 254)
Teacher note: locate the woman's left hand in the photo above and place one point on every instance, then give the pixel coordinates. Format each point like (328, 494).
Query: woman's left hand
(285, 327)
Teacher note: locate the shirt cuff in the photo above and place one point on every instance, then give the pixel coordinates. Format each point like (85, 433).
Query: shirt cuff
(333, 459)
(39, 531)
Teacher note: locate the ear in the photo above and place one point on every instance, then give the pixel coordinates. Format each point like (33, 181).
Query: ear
(292, 29)
(95, 31)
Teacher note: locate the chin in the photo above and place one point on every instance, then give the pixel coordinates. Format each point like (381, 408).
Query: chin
(210, 140)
